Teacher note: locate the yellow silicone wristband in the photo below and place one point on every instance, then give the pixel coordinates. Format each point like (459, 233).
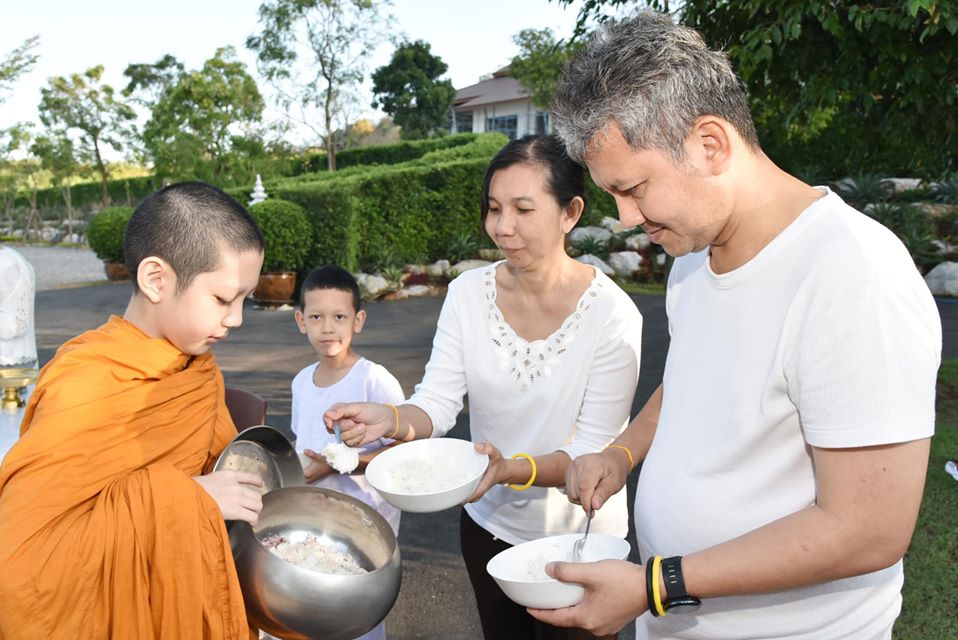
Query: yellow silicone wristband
(656, 595)
(395, 413)
(532, 478)
(627, 452)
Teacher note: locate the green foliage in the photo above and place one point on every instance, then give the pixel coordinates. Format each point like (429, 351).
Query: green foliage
(191, 133)
(864, 189)
(946, 191)
(539, 64)
(394, 274)
(82, 105)
(314, 52)
(287, 232)
(16, 63)
(590, 246)
(409, 89)
(106, 231)
(887, 101)
(463, 246)
(383, 153)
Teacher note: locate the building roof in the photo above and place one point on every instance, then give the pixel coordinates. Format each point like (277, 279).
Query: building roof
(501, 87)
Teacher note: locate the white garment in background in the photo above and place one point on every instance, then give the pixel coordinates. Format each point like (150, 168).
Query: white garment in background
(18, 342)
(365, 382)
(571, 392)
(828, 337)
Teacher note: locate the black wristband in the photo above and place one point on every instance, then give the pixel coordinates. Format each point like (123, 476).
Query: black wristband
(672, 574)
(649, 595)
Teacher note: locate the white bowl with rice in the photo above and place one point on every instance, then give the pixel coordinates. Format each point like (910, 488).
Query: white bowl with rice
(520, 570)
(429, 475)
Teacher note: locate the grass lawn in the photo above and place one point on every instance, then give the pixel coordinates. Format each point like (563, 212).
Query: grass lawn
(931, 564)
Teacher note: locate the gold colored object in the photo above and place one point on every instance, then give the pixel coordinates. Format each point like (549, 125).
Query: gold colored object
(12, 380)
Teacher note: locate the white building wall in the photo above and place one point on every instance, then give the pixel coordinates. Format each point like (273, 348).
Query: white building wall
(524, 110)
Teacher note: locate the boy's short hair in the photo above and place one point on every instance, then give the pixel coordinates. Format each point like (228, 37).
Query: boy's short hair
(330, 277)
(188, 224)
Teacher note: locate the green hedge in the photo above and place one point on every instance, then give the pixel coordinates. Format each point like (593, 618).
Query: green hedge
(286, 230)
(315, 161)
(88, 193)
(106, 232)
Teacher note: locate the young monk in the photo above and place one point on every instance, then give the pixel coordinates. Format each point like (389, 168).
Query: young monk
(111, 525)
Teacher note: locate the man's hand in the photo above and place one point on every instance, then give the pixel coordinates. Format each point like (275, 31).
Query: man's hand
(614, 596)
(361, 422)
(593, 478)
(236, 493)
(317, 468)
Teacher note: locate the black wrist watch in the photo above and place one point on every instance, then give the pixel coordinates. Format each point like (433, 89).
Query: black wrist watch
(677, 599)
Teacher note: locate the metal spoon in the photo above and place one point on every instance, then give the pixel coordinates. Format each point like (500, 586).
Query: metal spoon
(339, 432)
(580, 543)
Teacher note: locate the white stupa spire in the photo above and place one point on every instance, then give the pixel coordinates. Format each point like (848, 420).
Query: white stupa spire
(259, 193)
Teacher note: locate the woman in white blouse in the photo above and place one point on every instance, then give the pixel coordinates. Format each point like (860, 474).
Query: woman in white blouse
(547, 349)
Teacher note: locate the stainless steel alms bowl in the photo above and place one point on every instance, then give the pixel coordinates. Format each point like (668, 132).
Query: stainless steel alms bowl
(295, 603)
(266, 452)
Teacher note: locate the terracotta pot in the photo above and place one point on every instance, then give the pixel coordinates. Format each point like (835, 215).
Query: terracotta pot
(116, 271)
(275, 289)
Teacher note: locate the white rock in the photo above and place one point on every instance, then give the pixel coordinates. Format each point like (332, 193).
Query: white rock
(625, 263)
(597, 233)
(438, 268)
(902, 184)
(660, 259)
(943, 279)
(468, 265)
(943, 247)
(415, 291)
(491, 254)
(598, 263)
(612, 224)
(372, 286)
(638, 241)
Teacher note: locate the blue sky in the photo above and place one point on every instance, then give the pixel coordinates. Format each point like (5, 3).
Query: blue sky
(472, 37)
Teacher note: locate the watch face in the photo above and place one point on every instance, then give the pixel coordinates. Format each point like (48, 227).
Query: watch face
(687, 604)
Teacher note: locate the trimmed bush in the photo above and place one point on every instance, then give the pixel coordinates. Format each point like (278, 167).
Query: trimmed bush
(106, 232)
(315, 161)
(287, 232)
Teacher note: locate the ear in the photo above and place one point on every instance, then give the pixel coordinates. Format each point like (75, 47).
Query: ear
(572, 214)
(711, 144)
(360, 321)
(155, 279)
(300, 321)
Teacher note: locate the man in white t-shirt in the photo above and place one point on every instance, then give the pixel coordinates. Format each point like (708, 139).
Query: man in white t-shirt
(784, 455)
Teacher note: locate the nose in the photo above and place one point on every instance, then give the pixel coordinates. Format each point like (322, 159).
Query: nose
(235, 317)
(629, 213)
(505, 223)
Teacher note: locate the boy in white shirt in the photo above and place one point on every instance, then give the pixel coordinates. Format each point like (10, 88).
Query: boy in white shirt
(330, 315)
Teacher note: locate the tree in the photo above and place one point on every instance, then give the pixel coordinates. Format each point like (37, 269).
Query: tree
(539, 64)
(16, 63)
(13, 139)
(57, 156)
(201, 121)
(410, 90)
(332, 39)
(81, 103)
(888, 100)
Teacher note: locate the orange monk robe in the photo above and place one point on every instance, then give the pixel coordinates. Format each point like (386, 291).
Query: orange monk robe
(103, 531)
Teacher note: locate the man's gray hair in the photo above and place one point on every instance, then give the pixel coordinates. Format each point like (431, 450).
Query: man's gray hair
(653, 78)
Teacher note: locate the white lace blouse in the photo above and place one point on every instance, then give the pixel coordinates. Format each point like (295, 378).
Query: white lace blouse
(18, 343)
(571, 392)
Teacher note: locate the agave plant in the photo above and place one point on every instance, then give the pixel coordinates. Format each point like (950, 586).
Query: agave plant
(590, 245)
(462, 247)
(864, 189)
(946, 191)
(394, 275)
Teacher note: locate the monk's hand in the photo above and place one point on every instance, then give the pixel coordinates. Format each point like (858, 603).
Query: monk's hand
(360, 422)
(236, 493)
(317, 468)
(614, 596)
(496, 472)
(591, 479)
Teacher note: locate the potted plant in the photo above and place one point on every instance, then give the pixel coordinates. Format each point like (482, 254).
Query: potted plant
(287, 232)
(105, 235)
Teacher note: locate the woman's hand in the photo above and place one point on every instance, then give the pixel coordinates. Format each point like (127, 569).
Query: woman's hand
(495, 472)
(361, 422)
(317, 468)
(593, 478)
(236, 493)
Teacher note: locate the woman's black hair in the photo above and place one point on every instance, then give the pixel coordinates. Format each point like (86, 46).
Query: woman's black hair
(566, 179)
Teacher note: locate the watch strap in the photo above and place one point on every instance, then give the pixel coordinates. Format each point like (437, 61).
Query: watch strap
(672, 575)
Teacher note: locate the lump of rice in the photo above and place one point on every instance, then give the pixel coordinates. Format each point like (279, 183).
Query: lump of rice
(427, 475)
(341, 458)
(535, 568)
(313, 554)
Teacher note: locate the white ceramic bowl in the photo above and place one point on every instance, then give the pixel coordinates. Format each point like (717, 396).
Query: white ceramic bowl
(429, 475)
(520, 570)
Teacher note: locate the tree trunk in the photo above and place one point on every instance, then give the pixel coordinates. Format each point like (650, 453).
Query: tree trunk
(68, 199)
(129, 200)
(104, 175)
(330, 142)
(33, 220)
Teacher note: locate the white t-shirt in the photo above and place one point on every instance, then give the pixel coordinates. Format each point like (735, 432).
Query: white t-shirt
(365, 382)
(829, 338)
(570, 392)
(18, 342)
